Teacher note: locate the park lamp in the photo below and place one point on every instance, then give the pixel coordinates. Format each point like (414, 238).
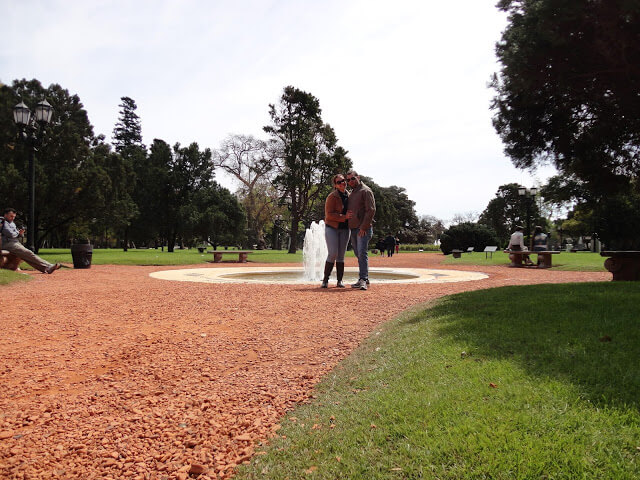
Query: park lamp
(522, 191)
(22, 114)
(44, 112)
(28, 134)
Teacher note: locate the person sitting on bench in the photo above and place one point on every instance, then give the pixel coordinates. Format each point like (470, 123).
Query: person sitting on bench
(516, 244)
(539, 241)
(10, 241)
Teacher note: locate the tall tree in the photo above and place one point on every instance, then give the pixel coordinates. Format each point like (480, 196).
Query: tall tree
(252, 162)
(190, 170)
(128, 130)
(127, 141)
(568, 92)
(309, 154)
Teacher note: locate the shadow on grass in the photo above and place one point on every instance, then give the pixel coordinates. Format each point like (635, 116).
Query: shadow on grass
(587, 333)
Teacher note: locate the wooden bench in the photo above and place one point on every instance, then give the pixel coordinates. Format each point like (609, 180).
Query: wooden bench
(9, 261)
(623, 264)
(517, 257)
(490, 249)
(242, 255)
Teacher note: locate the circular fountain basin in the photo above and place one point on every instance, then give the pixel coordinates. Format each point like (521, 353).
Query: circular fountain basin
(293, 275)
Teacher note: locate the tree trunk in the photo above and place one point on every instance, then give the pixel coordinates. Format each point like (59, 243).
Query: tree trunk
(293, 245)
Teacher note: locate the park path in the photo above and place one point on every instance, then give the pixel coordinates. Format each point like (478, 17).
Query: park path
(108, 373)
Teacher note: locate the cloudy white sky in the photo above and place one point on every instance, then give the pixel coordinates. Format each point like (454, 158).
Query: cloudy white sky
(404, 83)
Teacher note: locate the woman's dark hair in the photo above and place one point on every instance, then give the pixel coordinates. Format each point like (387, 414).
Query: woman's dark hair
(9, 209)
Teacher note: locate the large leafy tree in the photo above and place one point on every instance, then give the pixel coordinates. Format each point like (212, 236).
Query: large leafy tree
(68, 181)
(465, 235)
(395, 211)
(252, 162)
(189, 171)
(308, 154)
(215, 216)
(568, 93)
(507, 210)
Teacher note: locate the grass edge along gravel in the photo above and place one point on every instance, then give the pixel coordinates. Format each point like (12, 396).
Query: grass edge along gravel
(512, 382)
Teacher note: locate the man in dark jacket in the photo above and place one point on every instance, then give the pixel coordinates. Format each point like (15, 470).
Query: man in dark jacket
(362, 204)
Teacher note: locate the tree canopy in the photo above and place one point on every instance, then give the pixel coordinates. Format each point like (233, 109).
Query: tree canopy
(568, 93)
(308, 154)
(507, 210)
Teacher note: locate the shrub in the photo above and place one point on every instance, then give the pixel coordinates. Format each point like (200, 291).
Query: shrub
(414, 247)
(467, 235)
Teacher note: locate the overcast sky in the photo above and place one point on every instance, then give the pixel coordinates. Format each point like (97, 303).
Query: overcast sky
(404, 83)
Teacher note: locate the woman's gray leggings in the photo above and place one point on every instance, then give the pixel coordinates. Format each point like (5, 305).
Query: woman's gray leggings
(337, 241)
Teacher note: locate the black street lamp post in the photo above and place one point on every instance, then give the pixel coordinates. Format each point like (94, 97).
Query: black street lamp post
(276, 232)
(529, 195)
(31, 129)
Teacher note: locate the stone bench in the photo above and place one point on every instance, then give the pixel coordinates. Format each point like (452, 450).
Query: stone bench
(242, 255)
(517, 257)
(9, 261)
(623, 264)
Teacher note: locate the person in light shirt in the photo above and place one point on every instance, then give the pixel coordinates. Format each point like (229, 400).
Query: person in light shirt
(516, 244)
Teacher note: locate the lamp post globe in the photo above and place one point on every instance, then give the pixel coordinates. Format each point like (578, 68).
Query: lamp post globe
(31, 128)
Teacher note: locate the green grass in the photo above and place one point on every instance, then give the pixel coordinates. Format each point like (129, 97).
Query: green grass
(7, 277)
(509, 383)
(583, 261)
(112, 256)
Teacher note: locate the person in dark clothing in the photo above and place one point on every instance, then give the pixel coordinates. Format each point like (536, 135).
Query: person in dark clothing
(390, 244)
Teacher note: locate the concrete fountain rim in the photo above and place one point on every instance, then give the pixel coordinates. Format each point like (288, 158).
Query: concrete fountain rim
(233, 275)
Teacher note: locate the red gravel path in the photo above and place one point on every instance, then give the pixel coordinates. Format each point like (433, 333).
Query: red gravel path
(108, 373)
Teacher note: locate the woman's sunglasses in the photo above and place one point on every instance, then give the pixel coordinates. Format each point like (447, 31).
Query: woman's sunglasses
(341, 181)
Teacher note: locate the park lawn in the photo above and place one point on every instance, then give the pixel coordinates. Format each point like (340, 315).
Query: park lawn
(581, 261)
(151, 256)
(507, 383)
(7, 277)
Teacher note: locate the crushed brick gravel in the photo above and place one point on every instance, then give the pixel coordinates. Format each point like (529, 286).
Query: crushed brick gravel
(108, 373)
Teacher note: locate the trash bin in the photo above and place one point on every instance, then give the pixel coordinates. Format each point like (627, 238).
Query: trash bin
(81, 254)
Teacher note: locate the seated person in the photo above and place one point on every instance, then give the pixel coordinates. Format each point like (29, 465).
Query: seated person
(10, 235)
(516, 244)
(539, 240)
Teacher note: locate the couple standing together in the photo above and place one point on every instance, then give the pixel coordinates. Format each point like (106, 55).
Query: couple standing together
(348, 215)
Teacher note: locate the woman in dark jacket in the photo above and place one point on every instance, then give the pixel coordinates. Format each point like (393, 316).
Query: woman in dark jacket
(336, 231)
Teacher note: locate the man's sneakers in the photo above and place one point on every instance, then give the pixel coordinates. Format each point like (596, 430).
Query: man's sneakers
(361, 284)
(53, 268)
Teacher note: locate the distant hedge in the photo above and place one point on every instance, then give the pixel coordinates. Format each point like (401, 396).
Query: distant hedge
(410, 247)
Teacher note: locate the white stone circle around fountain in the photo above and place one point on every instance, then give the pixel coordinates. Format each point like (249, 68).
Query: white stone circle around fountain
(270, 275)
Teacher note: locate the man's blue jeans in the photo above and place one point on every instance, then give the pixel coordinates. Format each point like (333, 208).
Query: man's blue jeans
(361, 249)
